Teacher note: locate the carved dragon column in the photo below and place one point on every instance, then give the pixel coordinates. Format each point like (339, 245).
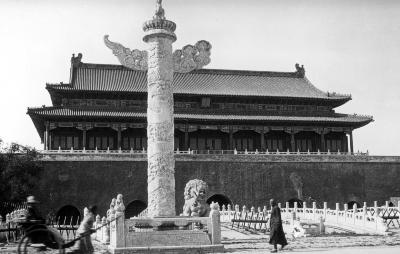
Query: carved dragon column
(160, 118)
(160, 63)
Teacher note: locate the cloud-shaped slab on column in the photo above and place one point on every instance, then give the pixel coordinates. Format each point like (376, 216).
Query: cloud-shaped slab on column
(133, 59)
(192, 57)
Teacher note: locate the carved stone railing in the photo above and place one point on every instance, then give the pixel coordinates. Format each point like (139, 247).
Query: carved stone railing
(202, 152)
(365, 220)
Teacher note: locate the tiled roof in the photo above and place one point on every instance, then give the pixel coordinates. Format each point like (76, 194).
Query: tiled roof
(115, 78)
(89, 113)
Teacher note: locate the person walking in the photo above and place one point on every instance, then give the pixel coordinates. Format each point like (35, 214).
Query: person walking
(84, 245)
(276, 235)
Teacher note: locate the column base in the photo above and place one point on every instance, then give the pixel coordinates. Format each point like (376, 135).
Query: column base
(170, 249)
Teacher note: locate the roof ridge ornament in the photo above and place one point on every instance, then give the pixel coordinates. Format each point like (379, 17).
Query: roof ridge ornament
(159, 13)
(76, 61)
(301, 72)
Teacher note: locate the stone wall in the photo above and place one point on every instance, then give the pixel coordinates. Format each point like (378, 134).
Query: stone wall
(80, 180)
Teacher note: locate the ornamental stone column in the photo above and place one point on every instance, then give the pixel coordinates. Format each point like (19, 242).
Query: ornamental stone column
(160, 63)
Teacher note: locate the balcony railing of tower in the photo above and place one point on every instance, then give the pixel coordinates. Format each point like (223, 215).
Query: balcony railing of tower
(205, 152)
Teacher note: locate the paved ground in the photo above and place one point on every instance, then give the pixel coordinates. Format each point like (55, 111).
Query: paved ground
(244, 242)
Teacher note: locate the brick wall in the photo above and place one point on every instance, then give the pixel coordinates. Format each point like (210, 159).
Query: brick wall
(80, 180)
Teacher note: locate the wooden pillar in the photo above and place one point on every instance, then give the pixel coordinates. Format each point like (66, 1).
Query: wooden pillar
(84, 138)
(292, 142)
(49, 142)
(46, 137)
(351, 142)
(231, 145)
(119, 138)
(343, 148)
(322, 141)
(186, 144)
(262, 140)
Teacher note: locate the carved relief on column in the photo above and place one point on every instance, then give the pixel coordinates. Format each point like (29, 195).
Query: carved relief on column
(160, 129)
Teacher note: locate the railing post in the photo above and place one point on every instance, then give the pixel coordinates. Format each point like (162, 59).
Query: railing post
(98, 224)
(117, 230)
(237, 208)
(215, 224)
(279, 205)
(314, 208)
(386, 204)
(325, 208)
(364, 213)
(376, 214)
(337, 212)
(376, 209)
(304, 208)
(345, 206)
(105, 236)
(398, 205)
(229, 212)
(354, 213)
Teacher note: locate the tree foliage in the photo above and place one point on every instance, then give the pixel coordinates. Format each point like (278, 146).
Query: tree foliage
(19, 171)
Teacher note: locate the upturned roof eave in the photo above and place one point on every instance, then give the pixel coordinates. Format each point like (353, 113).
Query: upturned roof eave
(334, 101)
(35, 112)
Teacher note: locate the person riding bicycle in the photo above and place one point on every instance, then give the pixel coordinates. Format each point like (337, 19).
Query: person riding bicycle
(33, 215)
(33, 219)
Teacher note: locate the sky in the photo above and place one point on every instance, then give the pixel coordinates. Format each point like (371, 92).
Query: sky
(346, 46)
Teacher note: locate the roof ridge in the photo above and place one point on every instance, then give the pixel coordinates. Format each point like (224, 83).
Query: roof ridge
(58, 84)
(203, 71)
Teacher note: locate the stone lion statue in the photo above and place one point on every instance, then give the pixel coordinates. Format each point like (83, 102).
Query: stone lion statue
(195, 199)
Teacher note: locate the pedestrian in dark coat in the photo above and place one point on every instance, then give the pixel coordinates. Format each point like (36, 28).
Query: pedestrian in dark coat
(277, 236)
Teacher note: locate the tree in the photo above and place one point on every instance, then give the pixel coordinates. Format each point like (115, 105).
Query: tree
(20, 171)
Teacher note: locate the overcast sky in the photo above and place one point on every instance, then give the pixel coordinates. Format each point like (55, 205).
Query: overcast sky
(348, 46)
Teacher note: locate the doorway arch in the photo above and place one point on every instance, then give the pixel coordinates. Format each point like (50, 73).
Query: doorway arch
(292, 201)
(134, 208)
(68, 215)
(351, 204)
(220, 199)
